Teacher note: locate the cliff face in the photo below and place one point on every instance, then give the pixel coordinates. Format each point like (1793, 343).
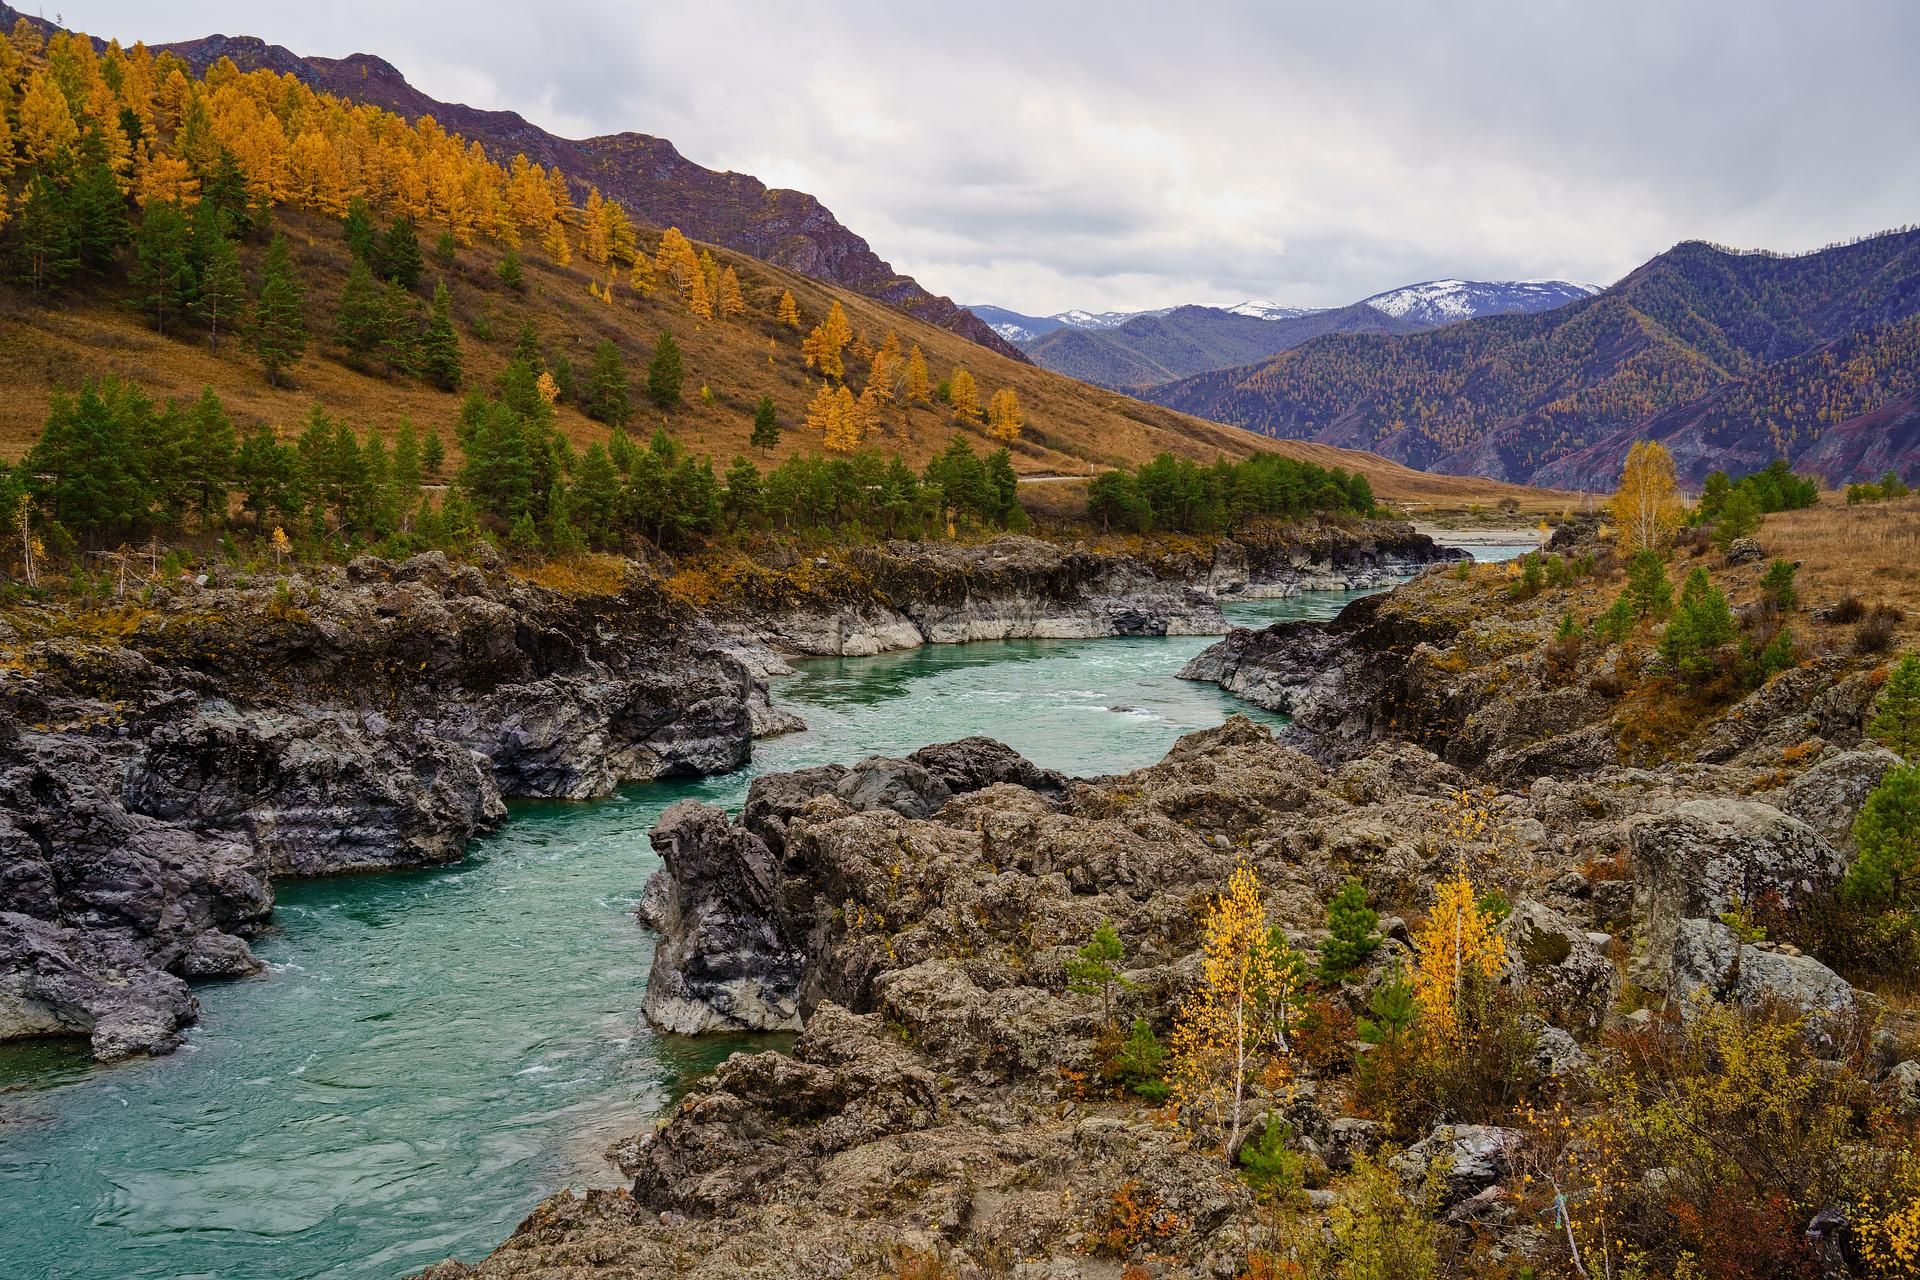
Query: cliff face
(154, 784)
(648, 175)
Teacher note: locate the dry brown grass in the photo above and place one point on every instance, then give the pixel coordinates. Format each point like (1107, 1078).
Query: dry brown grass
(1871, 551)
(1073, 428)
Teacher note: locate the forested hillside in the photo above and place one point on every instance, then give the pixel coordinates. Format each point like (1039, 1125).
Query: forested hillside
(1745, 355)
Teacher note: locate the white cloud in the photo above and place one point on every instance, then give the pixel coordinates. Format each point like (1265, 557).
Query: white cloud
(1126, 155)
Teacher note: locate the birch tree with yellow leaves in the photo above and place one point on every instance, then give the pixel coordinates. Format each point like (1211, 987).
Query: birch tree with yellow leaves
(1224, 1039)
(1456, 941)
(1646, 507)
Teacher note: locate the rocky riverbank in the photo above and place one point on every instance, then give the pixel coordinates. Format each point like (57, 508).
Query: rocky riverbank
(161, 764)
(902, 595)
(955, 1107)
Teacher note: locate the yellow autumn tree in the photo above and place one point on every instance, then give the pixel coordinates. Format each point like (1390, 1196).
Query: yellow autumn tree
(1223, 1037)
(641, 277)
(6, 130)
(675, 262)
(1003, 416)
(963, 393)
(1455, 941)
(789, 312)
(868, 411)
(820, 410)
(843, 426)
(555, 244)
(728, 301)
(882, 374)
(166, 179)
(822, 351)
(46, 124)
(699, 300)
(1646, 506)
(914, 385)
(593, 229)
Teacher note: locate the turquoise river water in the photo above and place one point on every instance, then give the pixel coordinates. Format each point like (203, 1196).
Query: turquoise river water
(433, 1052)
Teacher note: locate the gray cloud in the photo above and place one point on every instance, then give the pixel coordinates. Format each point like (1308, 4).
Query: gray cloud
(1127, 154)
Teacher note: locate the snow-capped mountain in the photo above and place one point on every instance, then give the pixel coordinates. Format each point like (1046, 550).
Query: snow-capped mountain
(1437, 302)
(1269, 310)
(1019, 328)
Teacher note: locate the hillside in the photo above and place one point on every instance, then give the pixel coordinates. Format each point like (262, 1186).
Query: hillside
(646, 174)
(1731, 357)
(1160, 347)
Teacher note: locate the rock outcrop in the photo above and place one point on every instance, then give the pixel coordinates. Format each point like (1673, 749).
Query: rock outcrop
(153, 786)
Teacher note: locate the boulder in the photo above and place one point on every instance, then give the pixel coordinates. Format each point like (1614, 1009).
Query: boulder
(1828, 797)
(903, 786)
(1698, 857)
(1745, 551)
(973, 764)
(1476, 1157)
(1570, 978)
(1903, 1079)
(1710, 962)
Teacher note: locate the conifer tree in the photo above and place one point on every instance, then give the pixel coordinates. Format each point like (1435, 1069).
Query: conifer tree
(207, 460)
(664, 372)
(163, 276)
(43, 235)
(358, 323)
(1896, 720)
(916, 388)
(728, 301)
(820, 409)
(699, 297)
(844, 426)
(1350, 933)
(1886, 871)
(596, 495)
(766, 425)
(433, 454)
(511, 274)
(820, 353)
(46, 123)
(400, 254)
(1095, 968)
(362, 239)
(222, 300)
(744, 497)
(964, 394)
(279, 321)
(97, 210)
(1647, 585)
(1003, 416)
(439, 344)
(403, 467)
(445, 250)
(789, 310)
(607, 387)
(399, 330)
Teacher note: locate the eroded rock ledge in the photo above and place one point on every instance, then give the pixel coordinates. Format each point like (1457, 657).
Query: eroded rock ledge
(153, 785)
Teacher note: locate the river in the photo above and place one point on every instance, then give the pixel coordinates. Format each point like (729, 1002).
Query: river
(433, 1052)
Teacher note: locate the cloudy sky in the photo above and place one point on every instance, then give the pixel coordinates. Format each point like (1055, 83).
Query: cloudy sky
(1123, 155)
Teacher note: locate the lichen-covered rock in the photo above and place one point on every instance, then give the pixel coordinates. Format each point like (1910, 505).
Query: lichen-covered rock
(1571, 980)
(1829, 796)
(1709, 962)
(1702, 856)
(1473, 1157)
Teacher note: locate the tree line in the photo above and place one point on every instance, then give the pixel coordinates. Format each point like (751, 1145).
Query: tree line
(1180, 495)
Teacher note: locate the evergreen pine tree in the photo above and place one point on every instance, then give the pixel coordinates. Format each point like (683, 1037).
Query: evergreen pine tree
(511, 273)
(163, 277)
(664, 372)
(440, 345)
(400, 254)
(1896, 720)
(279, 322)
(608, 397)
(207, 459)
(766, 425)
(403, 466)
(1350, 933)
(362, 239)
(358, 323)
(1886, 871)
(744, 497)
(433, 454)
(99, 213)
(1095, 968)
(222, 300)
(43, 235)
(399, 330)
(445, 249)
(596, 495)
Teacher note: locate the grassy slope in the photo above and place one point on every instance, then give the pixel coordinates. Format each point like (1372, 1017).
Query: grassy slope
(1073, 428)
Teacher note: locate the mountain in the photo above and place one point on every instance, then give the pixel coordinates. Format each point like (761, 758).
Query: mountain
(1437, 302)
(1158, 347)
(646, 174)
(1019, 328)
(1733, 358)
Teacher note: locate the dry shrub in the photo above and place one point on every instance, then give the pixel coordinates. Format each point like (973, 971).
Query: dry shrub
(909, 1263)
(1876, 631)
(1848, 610)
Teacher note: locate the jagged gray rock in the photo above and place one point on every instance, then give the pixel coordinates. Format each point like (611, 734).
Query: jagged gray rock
(1709, 961)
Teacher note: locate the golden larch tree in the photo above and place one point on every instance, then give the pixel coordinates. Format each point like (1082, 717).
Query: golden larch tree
(593, 229)
(1223, 1030)
(822, 352)
(46, 124)
(915, 385)
(1003, 416)
(963, 393)
(789, 312)
(1457, 939)
(839, 330)
(728, 301)
(641, 277)
(820, 410)
(1646, 507)
(843, 426)
(699, 299)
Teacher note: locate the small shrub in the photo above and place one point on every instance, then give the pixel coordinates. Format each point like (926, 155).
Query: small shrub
(1875, 633)
(1776, 585)
(1848, 610)
(1350, 933)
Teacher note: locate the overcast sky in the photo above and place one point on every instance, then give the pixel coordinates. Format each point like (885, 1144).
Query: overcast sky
(1120, 155)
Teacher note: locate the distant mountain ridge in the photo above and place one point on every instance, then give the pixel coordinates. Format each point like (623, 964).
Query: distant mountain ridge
(1732, 358)
(1129, 351)
(646, 174)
